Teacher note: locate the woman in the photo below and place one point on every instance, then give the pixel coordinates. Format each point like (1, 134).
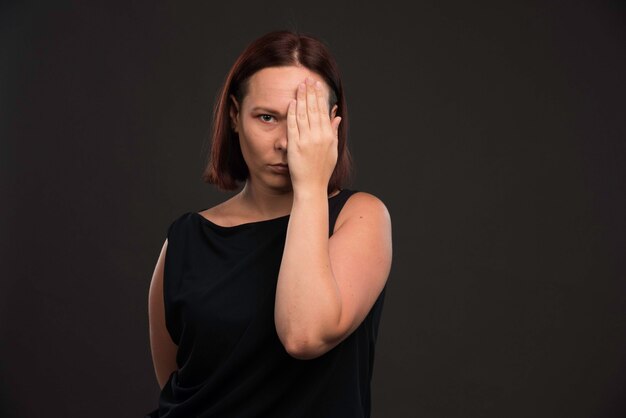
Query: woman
(268, 304)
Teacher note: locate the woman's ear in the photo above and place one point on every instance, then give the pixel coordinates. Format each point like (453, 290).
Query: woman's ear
(234, 114)
(333, 112)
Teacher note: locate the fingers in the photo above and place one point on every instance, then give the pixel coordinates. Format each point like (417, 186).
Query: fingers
(311, 111)
(301, 110)
(322, 105)
(293, 133)
(311, 104)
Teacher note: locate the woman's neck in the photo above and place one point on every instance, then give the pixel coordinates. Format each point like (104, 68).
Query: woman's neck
(264, 202)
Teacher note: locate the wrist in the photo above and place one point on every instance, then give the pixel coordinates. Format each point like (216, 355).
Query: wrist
(310, 193)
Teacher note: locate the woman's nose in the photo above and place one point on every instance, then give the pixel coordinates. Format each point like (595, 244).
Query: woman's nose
(281, 141)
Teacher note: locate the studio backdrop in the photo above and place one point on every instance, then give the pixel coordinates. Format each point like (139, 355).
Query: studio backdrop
(494, 133)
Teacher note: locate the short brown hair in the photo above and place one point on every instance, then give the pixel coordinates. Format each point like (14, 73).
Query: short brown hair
(226, 166)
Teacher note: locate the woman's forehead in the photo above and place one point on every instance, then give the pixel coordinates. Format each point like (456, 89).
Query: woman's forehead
(277, 85)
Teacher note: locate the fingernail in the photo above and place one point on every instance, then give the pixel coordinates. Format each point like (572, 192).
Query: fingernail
(318, 84)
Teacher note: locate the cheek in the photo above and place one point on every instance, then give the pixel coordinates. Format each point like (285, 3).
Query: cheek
(259, 134)
(252, 141)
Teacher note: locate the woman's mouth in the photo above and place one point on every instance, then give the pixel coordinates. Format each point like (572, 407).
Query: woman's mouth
(280, 168)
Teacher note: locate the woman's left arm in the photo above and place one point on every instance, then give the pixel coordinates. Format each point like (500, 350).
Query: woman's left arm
(326, 286)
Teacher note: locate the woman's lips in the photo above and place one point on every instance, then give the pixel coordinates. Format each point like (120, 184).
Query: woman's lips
(280, 168)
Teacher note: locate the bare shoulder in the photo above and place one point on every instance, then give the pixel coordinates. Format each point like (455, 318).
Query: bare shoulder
(220, 213)
(213, 211)
(361, 205)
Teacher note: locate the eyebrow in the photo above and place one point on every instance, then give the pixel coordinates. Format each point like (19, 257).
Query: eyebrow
(265, 109)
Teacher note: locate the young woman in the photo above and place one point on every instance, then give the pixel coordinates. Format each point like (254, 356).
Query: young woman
(268, 304)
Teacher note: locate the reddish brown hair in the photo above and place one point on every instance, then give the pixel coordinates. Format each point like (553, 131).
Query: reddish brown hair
(226, 166)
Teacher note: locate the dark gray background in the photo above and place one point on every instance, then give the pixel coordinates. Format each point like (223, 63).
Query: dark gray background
(494, 132)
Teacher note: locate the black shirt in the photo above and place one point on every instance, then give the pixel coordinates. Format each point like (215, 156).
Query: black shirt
(219, 289)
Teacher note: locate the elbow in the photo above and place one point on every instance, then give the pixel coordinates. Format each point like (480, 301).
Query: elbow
(305, 343)
(305, 348)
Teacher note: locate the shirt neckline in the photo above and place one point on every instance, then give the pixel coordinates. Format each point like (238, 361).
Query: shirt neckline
(213, 224)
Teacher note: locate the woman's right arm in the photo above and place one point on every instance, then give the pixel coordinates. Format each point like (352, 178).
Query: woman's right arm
(161, 344)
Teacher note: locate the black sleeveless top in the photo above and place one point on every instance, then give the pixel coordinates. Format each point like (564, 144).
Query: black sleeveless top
(219, 289)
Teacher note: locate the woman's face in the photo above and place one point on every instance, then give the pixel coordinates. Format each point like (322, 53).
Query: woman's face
(261, 121)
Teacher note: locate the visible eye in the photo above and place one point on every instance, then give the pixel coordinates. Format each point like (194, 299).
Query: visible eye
(264, 116)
